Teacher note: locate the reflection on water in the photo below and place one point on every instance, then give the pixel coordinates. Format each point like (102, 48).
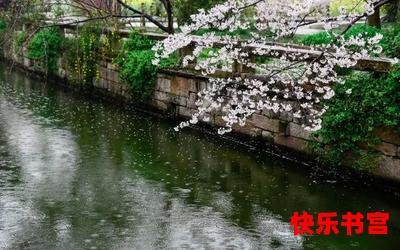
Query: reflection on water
(79, 174)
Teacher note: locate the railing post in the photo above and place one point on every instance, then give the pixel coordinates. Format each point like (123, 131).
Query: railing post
(142, 19)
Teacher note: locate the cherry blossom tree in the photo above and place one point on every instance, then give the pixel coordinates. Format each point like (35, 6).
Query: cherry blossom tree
(295, 81)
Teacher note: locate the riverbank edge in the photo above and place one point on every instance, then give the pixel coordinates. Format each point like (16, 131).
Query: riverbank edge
(249, 141)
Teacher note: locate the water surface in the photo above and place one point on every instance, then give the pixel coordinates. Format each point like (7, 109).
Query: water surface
(76, 173)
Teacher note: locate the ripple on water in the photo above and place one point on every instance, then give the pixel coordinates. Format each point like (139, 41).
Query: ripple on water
(79, 173)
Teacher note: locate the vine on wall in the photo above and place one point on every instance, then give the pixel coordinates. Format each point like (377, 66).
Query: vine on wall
(87, 49)
(82, 53)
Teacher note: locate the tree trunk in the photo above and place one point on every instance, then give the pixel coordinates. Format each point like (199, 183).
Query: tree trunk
(375, 19)
(168, 8)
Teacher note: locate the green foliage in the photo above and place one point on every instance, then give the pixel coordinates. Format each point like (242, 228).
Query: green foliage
(317, 39)
(365, 30)
(137, 41)
(391, 41)
(185, 8)
(83, 53)
(3, 26)
(207, 53)
(136, 67)
(138, 72)
(19, 40)
(44, 48)
(329, 37)
(348, 125)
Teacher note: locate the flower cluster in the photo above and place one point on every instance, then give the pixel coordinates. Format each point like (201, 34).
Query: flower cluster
(293, 81)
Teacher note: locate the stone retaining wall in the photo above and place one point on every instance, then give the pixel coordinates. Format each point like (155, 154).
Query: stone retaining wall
(176, 92)
(278, 128)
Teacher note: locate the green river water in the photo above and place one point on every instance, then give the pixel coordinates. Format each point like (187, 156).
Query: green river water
(78, 173)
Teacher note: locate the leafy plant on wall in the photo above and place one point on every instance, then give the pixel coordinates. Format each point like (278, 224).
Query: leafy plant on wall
(82, 53)
(44, 48)
(136, 67)
(362, 104)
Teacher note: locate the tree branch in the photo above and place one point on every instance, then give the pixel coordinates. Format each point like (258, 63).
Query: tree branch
(145, 15)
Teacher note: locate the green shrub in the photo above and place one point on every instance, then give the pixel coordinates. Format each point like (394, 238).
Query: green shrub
(348, 125)
(44, 48)
(139, 72)
(328, 37)
(3, 26)
(391, 41)
(317, 39)
(137, 41)
(136, 67)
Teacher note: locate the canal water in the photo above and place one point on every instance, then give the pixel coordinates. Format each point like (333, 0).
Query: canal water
(76, 173)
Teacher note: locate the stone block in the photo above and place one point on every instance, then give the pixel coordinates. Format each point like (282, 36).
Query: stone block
(96, 82)
(161, 96)
(192, 101)
(218, 121)
(110, 86)
(109, 75)
(265, 123)
(387, 149)
(116, 88)
(103, 64)
(193, 85)
(202, 85)
(298, 131)
(254, 132)
(283, 128)
(286, 116)
(103, 72)
(163, 84)
(114, 75)
(247, 129)
(112, 66)
(104, 83)
(27, 62)
(389, 167)
(270, 114)
(267, 135)
(185, 112)
(179, 100)
(159, 105)
(388, 135)
(292, 142)
(180, 86)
